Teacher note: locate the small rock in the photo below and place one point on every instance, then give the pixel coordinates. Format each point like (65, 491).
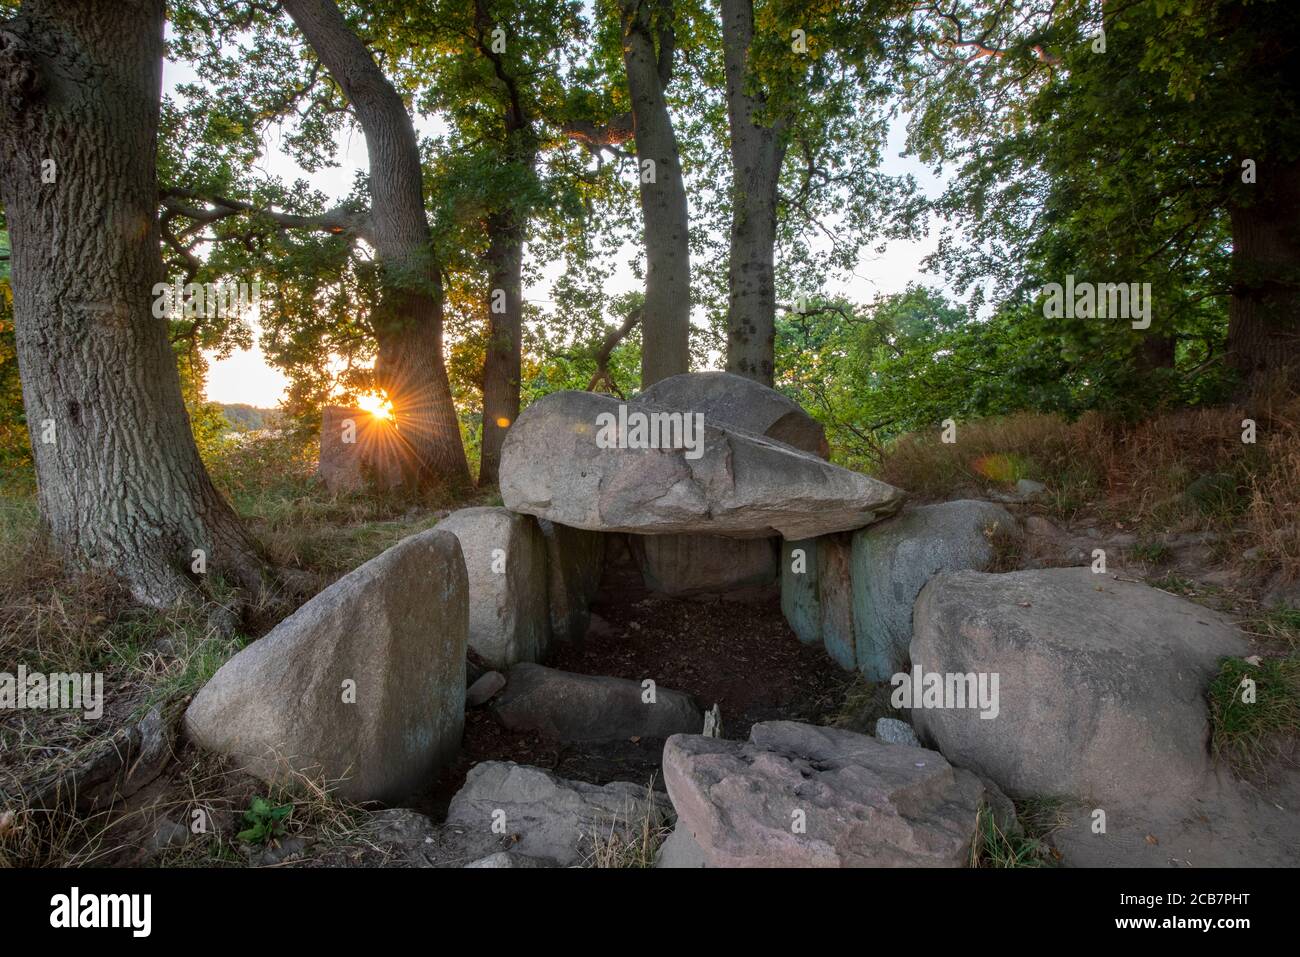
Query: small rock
(290, 847)
(507, 859)
(167, 833)
(1040, 527)
(893, 731)
(1030, 491)
(713, 722)
(482, 691)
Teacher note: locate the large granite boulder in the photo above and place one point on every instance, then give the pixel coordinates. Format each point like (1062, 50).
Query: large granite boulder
(704, 564)
(505, 559)
(1101, 683)
(552, 818)
(364, 684)
(728, 483)
(736, 402)
(893, 560)
(572, 707)
(575, 559)
(799, 594)
(796, 795)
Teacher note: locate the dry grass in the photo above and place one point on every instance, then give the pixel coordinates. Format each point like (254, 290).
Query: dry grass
(38, 837)
(632, 844)
(53, 619)
(1179, 471)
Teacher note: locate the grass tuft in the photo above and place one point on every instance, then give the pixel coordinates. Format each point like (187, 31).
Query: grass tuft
(1252, 735)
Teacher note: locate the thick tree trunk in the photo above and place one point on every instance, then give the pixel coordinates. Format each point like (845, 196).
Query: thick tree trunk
(502, 365)
(757, 152)
(120, 482)
(1264, 310)
(665, 328)
(411, 367)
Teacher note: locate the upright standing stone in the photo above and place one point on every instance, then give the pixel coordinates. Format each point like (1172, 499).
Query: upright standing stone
(575, 559)
(799, 597)
(505, 559)
(357, 451)
(700, 564)
(835, 599)
(892, 561)
(363, 685)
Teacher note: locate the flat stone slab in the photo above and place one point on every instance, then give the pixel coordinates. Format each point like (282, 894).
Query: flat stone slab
(552, 819)
(735, 402)
(731, 483)
(796, 795)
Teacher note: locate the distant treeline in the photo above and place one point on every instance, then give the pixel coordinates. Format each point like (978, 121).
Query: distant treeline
(243, 417)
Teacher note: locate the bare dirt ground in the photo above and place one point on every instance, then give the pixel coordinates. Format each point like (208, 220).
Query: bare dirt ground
(736, 652)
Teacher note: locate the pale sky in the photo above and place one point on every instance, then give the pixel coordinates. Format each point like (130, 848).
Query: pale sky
(245, 376)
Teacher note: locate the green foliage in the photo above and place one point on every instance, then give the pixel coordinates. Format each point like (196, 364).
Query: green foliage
(266, 821)
(907, 362)
(1114, 165)
(1249, 734)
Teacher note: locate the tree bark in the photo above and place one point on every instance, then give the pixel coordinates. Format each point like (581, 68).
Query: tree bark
(757, 152)
(665, 348)
(1264, 308)
(502, 364)
(120, 483)
(411, 366)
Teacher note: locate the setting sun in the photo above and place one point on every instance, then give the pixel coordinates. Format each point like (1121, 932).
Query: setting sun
(377, 404)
